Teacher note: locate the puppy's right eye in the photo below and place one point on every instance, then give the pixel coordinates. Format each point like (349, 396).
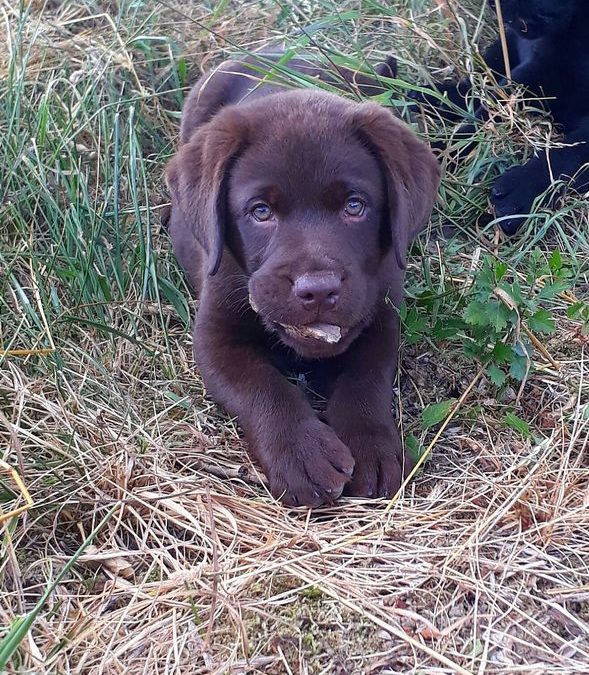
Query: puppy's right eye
(261, 212)
(355, 207)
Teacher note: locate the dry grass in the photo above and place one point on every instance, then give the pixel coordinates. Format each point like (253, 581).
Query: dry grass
(480, 567)
(182, 562)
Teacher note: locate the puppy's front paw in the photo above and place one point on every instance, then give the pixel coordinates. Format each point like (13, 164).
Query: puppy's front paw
(514, 192)
(311, 468)
(381, 463)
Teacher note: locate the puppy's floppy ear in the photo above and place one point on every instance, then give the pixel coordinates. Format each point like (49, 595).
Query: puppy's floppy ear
(196, 179)
(410, 169)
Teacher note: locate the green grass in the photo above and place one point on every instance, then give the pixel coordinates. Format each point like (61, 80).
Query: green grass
(195, 567)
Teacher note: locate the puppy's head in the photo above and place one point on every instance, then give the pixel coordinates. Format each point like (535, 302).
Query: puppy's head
(317, 198)
(533, 19)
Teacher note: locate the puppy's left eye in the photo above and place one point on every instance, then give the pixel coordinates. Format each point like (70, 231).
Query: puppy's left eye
(261, 212)
(355, 207)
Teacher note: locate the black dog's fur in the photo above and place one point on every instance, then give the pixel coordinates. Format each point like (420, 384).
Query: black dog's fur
(548, 44)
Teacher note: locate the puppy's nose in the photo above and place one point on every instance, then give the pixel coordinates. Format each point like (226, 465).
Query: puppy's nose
(318, 290)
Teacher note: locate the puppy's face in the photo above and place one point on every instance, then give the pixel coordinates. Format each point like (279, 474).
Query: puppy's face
(309, 224)
(533, 19)
(317, 199)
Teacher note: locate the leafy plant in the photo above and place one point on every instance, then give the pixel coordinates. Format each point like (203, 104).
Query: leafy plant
(436, 412)
(496, 321)
(514, 422)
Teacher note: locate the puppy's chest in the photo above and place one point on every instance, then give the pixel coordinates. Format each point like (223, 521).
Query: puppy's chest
(572, 102)
(314, 378)
(560, 72)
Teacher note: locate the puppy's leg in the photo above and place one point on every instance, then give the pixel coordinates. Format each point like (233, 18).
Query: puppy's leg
(515, 191)
(527, 74)
(457, 94)
(360, 410)
(303, 458)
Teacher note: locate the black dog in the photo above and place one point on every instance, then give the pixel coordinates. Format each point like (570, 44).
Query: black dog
(548, 45)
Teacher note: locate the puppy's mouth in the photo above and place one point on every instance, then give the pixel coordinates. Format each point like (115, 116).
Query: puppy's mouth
(327, 333)
(323, 332)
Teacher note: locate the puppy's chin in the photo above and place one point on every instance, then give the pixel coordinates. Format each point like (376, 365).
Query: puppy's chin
(318, 341)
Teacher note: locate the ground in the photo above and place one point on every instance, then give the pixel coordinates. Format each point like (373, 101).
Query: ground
(150, 543)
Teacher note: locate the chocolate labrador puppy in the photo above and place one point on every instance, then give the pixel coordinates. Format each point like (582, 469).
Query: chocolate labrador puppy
(292, 212)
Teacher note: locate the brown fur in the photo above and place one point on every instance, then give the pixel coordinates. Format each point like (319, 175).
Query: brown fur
(302, 153)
